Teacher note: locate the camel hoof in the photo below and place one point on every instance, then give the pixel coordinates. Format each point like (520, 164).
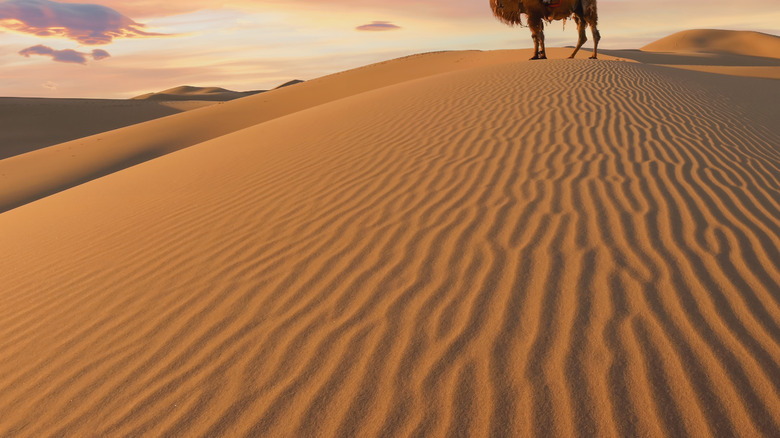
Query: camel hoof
(571, 57)
(593, 57)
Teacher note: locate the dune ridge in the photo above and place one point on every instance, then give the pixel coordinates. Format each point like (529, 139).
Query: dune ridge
(516, 249)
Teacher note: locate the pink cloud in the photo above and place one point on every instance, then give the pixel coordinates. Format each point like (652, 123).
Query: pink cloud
(156, 8)
(378, 26)
(89, 24)
(66, 56)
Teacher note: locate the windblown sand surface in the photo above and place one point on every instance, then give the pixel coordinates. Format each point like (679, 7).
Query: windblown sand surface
(442, 245)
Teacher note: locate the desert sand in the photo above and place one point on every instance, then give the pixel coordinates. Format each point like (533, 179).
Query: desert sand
(448, 244)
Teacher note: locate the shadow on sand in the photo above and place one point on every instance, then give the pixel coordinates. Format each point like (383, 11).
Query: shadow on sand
(709, 59)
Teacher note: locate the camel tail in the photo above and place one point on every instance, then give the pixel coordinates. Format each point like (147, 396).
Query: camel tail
(508, 11)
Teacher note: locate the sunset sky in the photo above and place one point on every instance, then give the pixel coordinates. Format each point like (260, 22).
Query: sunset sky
(122, 48)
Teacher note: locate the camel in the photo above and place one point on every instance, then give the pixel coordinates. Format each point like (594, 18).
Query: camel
(584, 12)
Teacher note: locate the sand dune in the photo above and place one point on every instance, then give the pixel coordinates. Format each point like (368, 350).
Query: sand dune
(43, 172)
(446, 245)
(744, 43)
(733, 53)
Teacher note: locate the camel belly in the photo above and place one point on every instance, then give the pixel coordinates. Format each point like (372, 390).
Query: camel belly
(552, 14)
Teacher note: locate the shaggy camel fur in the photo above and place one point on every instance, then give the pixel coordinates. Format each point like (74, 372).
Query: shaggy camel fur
(584, 12)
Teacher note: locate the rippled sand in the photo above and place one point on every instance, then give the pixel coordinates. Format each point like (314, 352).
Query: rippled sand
(470, 244)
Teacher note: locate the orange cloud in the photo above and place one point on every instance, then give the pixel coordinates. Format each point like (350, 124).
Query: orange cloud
(89, 24)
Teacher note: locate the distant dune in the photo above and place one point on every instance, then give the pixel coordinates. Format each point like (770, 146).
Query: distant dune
(288, 83)
(744, 43)
(447, 244)
(186, 92)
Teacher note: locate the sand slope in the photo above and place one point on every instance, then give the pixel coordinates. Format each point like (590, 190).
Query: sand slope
(28, 124)
(543, 249)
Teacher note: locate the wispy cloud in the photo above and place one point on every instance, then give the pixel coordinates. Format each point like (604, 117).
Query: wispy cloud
(67, 55)
(378, 26)
(89, 24)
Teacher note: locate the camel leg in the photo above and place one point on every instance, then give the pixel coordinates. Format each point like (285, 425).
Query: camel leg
(581, 25)
(537, 33)
(591, 17)
(596, 38)
(536, 47)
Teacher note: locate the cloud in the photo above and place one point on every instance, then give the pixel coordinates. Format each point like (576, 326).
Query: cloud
(99, 54)
(89, 24)
(378, 26)
(67, 55)
(157, 8)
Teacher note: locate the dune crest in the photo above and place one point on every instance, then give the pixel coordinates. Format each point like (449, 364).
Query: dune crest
(495, 249)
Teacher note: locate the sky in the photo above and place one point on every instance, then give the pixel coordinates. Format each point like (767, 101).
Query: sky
(124, 48)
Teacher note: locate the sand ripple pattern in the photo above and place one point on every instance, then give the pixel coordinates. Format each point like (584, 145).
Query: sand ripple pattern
(568, 248)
